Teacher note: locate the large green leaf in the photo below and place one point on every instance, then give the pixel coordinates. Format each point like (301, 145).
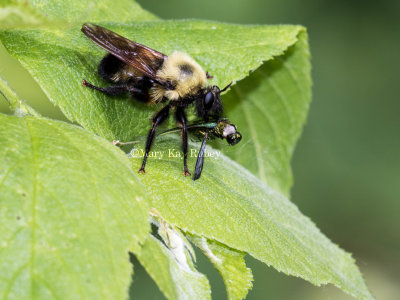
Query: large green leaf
(59, 59)
(20, 15)
(75, 11)
(270, 107)
(70, 209)
(231, 206)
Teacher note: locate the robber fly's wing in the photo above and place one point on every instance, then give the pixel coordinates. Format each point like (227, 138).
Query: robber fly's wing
(140, 57)
(200, 159)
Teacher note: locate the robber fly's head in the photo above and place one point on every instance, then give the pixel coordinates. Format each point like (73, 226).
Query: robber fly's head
(210, 104)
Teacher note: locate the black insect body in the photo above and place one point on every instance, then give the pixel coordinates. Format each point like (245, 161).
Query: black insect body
(221, 128)
(152, 77)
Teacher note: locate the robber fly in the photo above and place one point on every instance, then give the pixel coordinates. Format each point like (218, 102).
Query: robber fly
(152, 77)
(222, 129)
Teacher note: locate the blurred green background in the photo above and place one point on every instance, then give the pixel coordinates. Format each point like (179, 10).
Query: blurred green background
(347, 163)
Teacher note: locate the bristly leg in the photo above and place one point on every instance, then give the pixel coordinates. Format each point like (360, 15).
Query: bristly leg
(158, 119)
(181, 118)
(119, 89)
(112, 90)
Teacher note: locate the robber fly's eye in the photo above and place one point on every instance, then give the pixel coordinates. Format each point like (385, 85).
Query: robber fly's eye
(234, 138)
(208, 100)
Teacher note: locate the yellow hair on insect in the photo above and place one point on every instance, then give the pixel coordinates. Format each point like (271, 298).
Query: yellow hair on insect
(184, 73)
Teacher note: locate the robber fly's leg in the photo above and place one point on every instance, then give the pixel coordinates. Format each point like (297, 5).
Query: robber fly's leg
(181, 118)
(159, 118)
(110, 90)
(118, 89)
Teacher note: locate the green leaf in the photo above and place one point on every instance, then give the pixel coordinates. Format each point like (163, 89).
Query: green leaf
(81, 11)
(231, 206)
(230, 264)
(70, 209)
(270, 107)
(169, 262)
(18, 16)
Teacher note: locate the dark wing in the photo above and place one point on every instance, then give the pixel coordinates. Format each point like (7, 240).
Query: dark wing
(140, 57)
(200, 159)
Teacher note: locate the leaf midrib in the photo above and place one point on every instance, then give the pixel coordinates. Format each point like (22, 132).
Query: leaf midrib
(33, 209)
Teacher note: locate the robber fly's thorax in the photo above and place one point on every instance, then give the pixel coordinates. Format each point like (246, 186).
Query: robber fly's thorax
(185, 76)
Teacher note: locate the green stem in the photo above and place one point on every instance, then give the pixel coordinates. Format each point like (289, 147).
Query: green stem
(17, 105)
